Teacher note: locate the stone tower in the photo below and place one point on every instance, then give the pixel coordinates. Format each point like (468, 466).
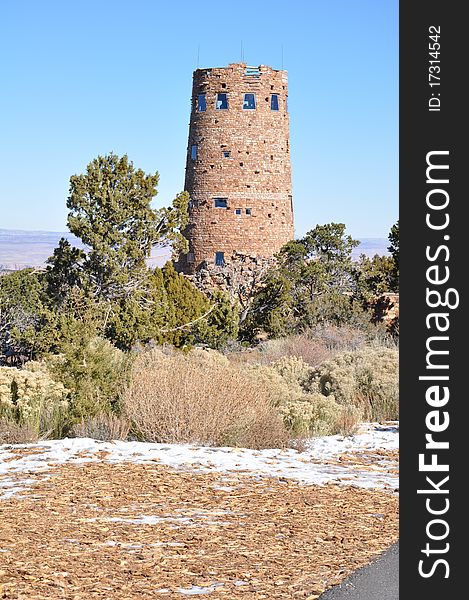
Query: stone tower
(238, 172)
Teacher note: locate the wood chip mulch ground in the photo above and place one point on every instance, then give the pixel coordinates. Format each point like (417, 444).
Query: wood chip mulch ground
(137, 531)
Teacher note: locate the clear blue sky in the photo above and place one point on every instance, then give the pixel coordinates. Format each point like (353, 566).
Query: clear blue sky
(85, 77)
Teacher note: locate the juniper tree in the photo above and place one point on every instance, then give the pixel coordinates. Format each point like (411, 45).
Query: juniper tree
(310, 284)
(111, 213)
(393, 248)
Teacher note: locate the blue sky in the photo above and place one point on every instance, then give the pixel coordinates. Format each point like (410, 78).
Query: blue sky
(82, 78)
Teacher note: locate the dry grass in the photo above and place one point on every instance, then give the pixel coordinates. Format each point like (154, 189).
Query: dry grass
(200, 399)
(314, 346)
(311, 350)
(104, 427)
(12, 433)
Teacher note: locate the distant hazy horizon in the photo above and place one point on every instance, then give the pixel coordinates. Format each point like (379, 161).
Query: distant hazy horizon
(23, 248)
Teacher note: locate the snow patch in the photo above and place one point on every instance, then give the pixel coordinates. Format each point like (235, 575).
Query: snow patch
(315, 465)
(195, 590)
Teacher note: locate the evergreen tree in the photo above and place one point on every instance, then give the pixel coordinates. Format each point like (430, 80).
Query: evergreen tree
(393, 248)
(27, 325)
(111, 213)
(312, 283)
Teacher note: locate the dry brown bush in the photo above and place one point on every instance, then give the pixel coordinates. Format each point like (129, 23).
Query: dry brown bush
(203, 399)
(348, 420)
(314, 346)
(104, 427)
(313, 351)
(342, 338)
(302, 346)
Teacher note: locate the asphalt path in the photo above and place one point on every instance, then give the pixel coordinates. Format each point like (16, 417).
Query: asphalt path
(380, 579)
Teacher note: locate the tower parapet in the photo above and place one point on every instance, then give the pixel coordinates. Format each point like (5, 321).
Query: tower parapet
(238, 172)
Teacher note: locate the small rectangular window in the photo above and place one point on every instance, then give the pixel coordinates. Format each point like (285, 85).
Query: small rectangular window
(249, 102)
(227, 153)
(286, 103)
(252, 72)
(238, 211)
(194, 151)
(190, 257)
(220, 259)
(248, 211)
(220, 202)
(201, 104)
(274, 102)
(222, 102)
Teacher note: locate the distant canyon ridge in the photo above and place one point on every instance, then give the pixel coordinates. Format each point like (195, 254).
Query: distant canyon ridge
(22, 249)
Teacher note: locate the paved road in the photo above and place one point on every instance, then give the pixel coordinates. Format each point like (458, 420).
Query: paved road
(380, 580)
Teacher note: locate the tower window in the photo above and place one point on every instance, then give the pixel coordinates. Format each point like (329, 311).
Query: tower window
(274, 102)
(252, 71)
(226, 153)
(190, 257)
(248, 211)
(238, 211)
(220, 202)
(220, 259)
(201, 104)
(249, 102)
(286, 103)
(222, 102)
(194, 151)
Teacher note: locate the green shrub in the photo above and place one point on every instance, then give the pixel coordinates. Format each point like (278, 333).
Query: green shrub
(294, 370)
(173, 311)
(317, 415)
(26, 322)
(278, 389)
(95, 372)
(32, 399)
(367, 379)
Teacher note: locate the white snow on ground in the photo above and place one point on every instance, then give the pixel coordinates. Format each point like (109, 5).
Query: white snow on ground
(307, 467)
(195, 590)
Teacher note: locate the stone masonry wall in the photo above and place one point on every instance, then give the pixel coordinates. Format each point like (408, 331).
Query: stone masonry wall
(243, 156)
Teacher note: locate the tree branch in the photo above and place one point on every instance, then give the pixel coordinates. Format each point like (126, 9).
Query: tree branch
(186, 325)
